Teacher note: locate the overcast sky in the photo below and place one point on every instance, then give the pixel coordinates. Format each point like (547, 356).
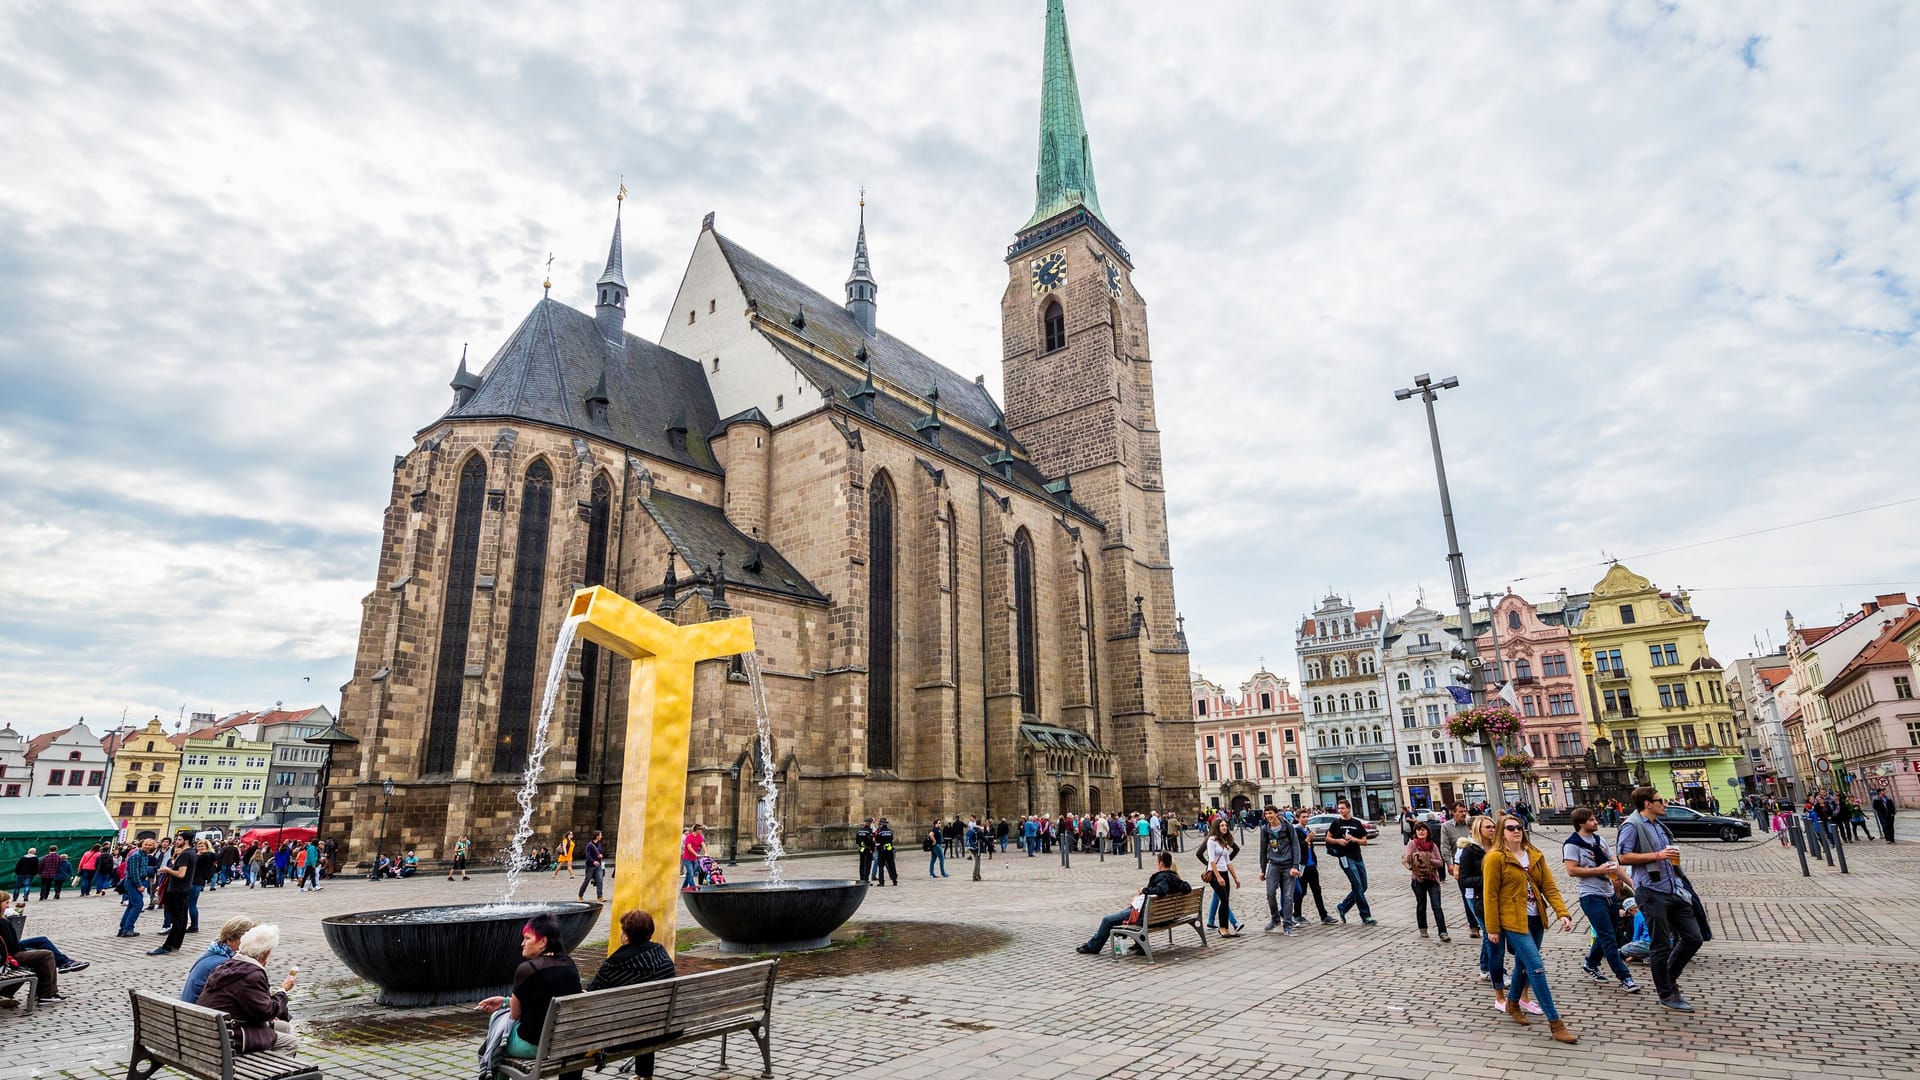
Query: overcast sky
(1669, 249)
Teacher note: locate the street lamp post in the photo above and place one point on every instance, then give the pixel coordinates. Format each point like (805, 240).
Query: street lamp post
(386, 788)
(332, 737)
(1426, 389)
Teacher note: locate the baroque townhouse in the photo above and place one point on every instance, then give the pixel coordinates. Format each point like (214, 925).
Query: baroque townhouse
(1349, 732)
(1249, 748)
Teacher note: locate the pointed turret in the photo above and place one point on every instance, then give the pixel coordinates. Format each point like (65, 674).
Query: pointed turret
(1065, 179)
(862, 291)
(464, 382)
(597, 400)
(610, 310)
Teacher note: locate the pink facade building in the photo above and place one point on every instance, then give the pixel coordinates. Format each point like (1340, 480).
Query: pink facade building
(1537, 655)
(1249, 747)
(1876, 718)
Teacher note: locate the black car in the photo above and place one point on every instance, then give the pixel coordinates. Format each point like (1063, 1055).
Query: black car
(1685, 824)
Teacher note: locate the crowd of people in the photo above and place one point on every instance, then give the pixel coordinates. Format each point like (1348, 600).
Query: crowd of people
(1637, 901)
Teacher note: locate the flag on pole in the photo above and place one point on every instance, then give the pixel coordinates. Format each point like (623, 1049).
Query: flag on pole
(1461, 695)
(1507, 695)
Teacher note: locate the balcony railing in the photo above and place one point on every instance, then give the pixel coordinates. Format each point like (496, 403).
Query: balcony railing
(1525, 680)
(1659, 747)
(1612, 674)
(1615, 716)
(1425, 650)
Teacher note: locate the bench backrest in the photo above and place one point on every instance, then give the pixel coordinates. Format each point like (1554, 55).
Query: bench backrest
(628, 1015)
(1169, 910)
(185, 1036)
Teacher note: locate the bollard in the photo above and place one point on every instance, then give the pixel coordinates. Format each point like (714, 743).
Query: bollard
(1137, 864)
(1826, 841)
(1840, 847)
(976, 864)
(1066, 845)
(1799, 844)
(1100, 845)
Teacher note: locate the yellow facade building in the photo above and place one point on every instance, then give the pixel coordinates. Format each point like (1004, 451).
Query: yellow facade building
(1661, 696)
(146, 768)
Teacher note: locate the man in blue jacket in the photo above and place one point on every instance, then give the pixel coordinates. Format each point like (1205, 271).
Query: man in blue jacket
(138, 885)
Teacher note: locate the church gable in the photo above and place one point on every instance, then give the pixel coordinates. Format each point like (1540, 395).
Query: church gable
(710, 321)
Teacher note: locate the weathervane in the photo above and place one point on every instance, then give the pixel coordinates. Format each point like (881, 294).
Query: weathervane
(547, 285)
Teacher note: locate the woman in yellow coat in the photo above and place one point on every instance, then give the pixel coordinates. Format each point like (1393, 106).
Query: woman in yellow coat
(1518, 885)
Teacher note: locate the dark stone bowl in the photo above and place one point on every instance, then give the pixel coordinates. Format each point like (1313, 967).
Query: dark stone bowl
(443, 955)
(756, 917)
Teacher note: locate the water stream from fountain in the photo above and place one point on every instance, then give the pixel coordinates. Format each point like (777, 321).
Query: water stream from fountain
(769, 791)
(536, 753)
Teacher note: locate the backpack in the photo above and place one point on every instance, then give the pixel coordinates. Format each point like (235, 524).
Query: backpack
(926, 842)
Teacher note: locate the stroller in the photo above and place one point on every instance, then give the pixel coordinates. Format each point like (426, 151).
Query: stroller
(709, 871)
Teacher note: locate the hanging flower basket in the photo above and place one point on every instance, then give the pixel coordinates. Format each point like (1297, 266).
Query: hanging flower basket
(1495, 723)
(1520, 763)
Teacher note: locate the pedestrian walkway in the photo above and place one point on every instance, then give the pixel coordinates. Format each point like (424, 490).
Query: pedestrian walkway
(1340, 1001)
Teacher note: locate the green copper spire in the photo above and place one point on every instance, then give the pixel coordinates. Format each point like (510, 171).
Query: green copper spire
(1065, 179)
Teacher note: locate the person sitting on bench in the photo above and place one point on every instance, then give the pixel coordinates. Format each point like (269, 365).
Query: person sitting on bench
(1164, 882)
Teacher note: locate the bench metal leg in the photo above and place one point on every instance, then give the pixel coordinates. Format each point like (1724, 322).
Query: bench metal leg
(1198, 929)
(765, 1039)
(135, 1072)
(723, 1053)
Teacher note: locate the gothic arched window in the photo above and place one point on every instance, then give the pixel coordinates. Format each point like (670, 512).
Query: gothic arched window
(1373, 699)
(1313, 669)
(523, 620)
(599, 517)
(1366, 663)
(1316, 706)
(953, 634)
(880, 624)
(456, 610)
(1026, 631)
(1054, 323)
(1343, 703)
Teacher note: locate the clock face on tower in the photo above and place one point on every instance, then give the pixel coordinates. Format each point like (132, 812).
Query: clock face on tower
(1049, 272)
(1113, 281)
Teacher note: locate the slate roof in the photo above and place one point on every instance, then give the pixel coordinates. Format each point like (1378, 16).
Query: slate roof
(776, 294)
(699, 531)
(554, 359)
(896, 415)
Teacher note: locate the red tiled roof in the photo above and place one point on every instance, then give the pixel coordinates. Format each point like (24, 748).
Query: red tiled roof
(40, 742)
(1880, 652)
(1811, 634)
(1774, 676)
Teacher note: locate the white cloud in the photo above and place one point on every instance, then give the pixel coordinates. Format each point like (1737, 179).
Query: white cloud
(249, 243)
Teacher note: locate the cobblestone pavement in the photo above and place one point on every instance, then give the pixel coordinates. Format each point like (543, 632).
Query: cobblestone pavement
(1806, 977)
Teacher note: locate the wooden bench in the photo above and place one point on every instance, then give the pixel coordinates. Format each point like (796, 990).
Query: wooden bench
(584, 1030)
(169, 1032)
(1164, 913)
(28, 981)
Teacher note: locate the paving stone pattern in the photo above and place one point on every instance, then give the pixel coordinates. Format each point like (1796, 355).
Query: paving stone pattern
(1333, 1002)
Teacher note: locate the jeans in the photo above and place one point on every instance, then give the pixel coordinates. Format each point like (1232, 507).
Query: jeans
(193, 907)
(1528, 969)
(1099, 939)
(129, 915)
(24, 882)
(1283, 908)
(939, 856)
(1222, 905)
(1427, 894)
(1493, 958)
(1599, 911)
(59, 957)
(1003, 845)
(1309, 879)
(1473, 917)
(595, 876)
(86, 882)
(688, 879)
(1676, 937)
(1356, 872)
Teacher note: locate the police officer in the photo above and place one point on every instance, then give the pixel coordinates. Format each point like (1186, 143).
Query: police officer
(883, 855)
(863, 839)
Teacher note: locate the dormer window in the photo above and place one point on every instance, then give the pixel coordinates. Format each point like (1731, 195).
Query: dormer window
(779, 402)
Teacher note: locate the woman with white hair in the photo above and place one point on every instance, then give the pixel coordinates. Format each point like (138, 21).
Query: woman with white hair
(239, 989)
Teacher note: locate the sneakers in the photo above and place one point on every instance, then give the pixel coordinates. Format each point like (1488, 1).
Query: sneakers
(1528, 1005)
(1676, 1003)
(1629, 985)
(1368, 920)
(1596, 974)
(1484, 977)
(1085, 951)
(1327, 920)
(72, 966)
(49, 999)
(161, 951)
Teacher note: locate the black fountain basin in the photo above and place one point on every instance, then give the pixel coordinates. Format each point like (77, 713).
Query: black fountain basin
(443, 955)
(760, 917)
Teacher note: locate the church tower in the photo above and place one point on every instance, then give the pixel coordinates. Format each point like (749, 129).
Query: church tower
(1078, 386)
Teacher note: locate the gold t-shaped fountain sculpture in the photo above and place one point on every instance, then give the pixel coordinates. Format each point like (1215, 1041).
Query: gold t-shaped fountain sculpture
(653, 785)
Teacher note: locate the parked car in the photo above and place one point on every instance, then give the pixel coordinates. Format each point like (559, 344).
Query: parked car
(1685, 824)
(1317, 827)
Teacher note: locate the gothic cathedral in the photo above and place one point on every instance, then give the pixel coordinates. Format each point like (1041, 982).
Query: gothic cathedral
(958, 608)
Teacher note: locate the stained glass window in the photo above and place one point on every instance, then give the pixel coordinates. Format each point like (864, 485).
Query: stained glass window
(1027, 639)
(523, 621)
(450, 672)
(880, 625)
(598, 516)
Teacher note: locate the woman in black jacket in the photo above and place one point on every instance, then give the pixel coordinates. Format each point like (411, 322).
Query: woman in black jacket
(639, 959)
(1493, 958)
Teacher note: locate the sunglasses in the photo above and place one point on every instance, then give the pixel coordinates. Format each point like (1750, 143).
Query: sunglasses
(1513, 828)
